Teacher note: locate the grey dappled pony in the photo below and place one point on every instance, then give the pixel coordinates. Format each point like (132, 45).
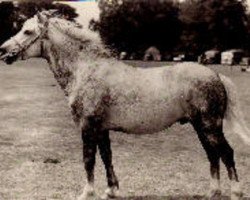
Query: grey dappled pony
(105, 94)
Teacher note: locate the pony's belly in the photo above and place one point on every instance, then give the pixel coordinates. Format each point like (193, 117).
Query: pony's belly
(141, 120)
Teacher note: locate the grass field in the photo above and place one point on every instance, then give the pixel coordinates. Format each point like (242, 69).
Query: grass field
(36, 127)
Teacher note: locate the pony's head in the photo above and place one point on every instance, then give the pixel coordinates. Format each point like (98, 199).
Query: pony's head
(28, 41)
(47, 29)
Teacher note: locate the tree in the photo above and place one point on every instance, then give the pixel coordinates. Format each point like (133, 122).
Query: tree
(67, 11)
(193, 28)
(226, 21)
(30, 8)
(213, 24)
(7, 15)
(131, 26)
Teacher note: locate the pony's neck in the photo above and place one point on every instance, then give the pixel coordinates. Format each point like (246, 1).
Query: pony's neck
(60, 66)
(66, 46)
(64, 59)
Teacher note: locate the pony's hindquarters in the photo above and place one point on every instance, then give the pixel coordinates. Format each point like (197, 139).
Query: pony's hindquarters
(234, 117)
(209, 105)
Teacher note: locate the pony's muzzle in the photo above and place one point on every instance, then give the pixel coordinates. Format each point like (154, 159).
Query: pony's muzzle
(8, 57)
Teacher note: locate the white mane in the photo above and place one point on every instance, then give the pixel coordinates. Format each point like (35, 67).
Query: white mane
(75, 30)
(90, 40)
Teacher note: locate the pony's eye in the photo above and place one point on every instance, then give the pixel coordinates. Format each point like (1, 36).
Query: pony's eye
(28, 32)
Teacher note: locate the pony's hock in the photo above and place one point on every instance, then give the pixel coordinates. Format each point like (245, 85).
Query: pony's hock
(105, 94)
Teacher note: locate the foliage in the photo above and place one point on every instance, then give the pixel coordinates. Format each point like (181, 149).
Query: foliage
(213, 24)
(6, 20)
(30, 8)
(127, 25)
(191, 26)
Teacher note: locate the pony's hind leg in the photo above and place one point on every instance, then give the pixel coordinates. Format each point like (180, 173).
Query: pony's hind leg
(89, 152)
(227, 156)
(216, 146)
(208, 139)
(106, 155)
(214, 159)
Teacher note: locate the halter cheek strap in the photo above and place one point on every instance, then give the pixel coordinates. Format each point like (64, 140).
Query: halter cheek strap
(17, 43)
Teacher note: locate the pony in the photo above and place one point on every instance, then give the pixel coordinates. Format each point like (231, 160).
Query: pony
(106, 94)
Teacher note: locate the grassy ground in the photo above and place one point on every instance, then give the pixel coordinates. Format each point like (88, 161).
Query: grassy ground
(36, 127)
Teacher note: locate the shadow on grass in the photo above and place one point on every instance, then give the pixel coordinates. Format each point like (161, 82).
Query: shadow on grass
(183, 197)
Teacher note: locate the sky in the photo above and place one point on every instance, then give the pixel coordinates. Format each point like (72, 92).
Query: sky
(86, 11)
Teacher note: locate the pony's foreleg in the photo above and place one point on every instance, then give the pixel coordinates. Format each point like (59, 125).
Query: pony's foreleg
(106, 155)
(89, 152)
(214, 159)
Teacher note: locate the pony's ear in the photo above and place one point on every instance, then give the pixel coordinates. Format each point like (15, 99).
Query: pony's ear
(42, 18)
(53, 12)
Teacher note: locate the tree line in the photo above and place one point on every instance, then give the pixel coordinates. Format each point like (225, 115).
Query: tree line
(190, 27)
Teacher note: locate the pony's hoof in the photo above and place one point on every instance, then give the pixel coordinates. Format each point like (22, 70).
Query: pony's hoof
(88, 196)
(214, 195)
(110, 193)
(237, 195)
(236, 191)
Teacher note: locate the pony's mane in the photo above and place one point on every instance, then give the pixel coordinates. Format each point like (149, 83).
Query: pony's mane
(78, 33)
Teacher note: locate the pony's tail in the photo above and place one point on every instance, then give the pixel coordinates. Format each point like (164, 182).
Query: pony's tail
(234, 116)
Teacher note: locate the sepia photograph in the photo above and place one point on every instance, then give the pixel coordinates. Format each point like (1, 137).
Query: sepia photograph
(125, 100)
